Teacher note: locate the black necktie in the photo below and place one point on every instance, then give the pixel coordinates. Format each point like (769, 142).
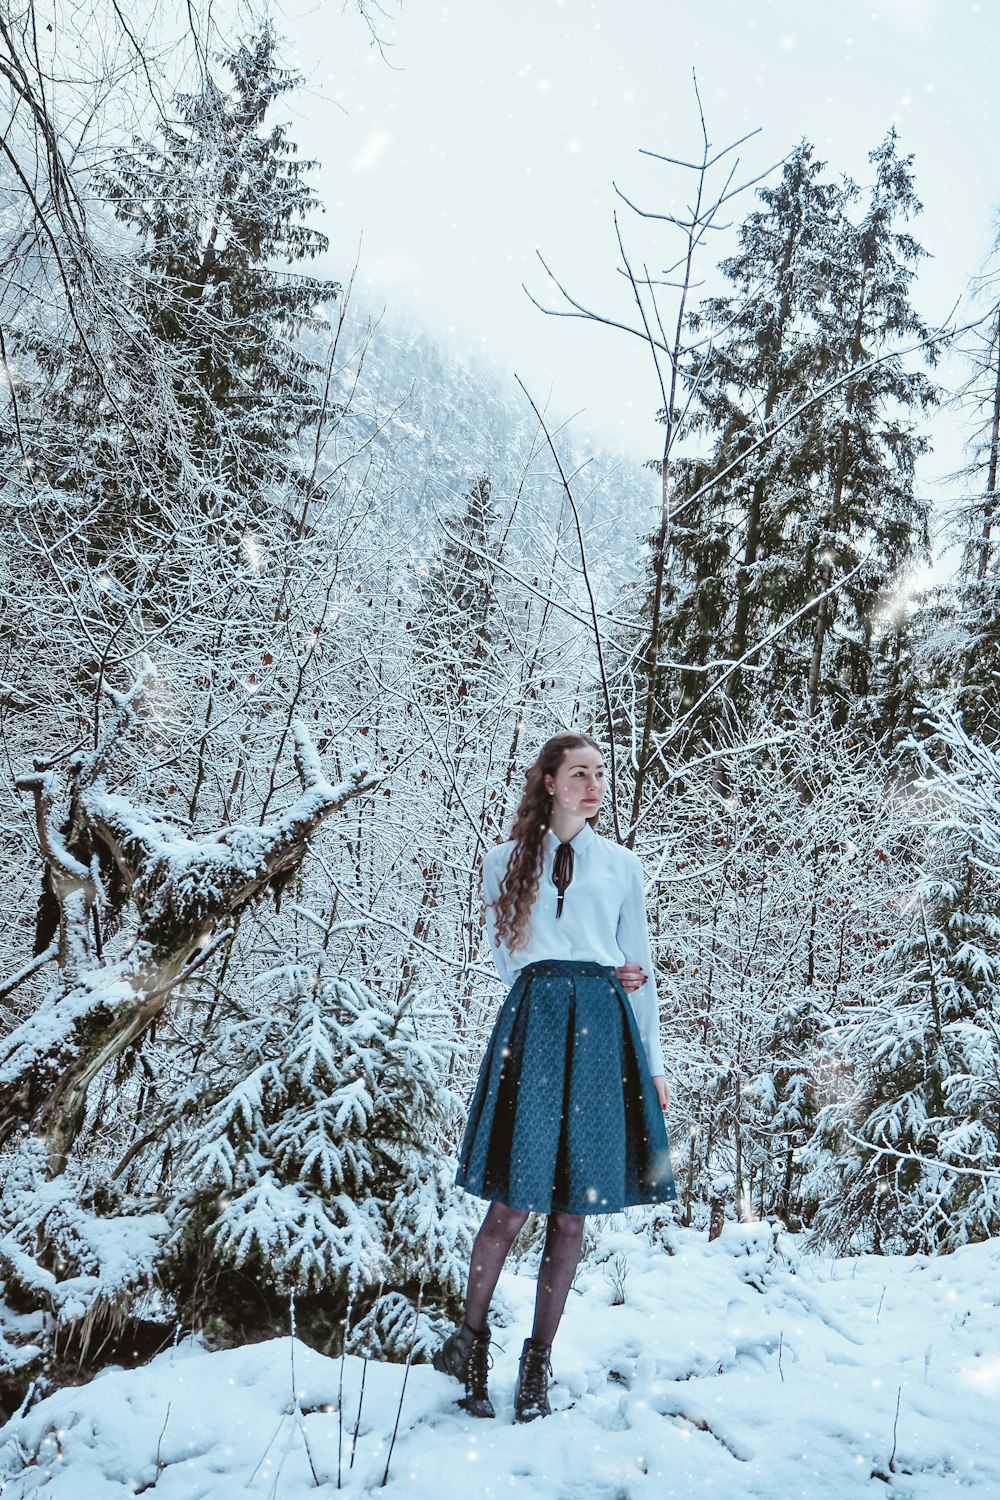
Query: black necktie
(562, 873)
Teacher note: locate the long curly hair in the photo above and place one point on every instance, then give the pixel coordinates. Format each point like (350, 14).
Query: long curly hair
(520, 883)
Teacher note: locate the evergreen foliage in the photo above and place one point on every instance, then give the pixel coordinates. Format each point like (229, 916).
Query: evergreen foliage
(201, 388)
(310, 1174)
(961, 627)
(918, 1147)
(215, 202)
(458, 595)
(820, 292)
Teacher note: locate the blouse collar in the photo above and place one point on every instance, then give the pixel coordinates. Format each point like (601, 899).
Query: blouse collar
(580, 842)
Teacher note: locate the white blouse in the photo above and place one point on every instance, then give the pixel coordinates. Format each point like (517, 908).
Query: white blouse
(603, 920)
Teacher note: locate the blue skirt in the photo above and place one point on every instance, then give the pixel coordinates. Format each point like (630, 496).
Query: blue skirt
(565, 1115)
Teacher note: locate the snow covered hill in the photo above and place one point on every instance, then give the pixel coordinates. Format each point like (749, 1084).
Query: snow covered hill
(743, 1368)
(428, 418)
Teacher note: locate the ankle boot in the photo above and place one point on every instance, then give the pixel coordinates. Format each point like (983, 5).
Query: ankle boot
(466, 1355)
(531, 1394)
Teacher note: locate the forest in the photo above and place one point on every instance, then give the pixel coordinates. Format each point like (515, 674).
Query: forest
(290, 594)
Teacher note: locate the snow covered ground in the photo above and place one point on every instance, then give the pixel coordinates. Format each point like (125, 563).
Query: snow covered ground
(743, 1368)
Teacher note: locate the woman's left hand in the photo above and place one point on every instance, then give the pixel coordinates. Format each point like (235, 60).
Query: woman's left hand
(662, 1091)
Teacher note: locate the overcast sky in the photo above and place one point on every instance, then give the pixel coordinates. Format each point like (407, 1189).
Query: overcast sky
(496, 127)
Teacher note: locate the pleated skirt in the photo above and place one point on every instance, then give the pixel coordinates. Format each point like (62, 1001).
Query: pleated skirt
(565, 1115)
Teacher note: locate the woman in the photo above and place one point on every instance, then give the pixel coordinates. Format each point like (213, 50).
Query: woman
(567, 1115)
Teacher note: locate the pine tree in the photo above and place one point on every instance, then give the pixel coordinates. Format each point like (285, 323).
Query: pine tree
(695, 609)
(818, 293)
(793, 1085)
(761, 365)
(317, 1171)
(962, 647)
(203, 390)
(918, 1147)
(458, 596)
(867, 519)
(462, 649)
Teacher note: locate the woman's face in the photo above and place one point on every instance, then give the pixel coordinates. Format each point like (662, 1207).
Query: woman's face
(578, 786)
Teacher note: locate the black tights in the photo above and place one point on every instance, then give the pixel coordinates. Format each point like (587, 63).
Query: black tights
(563, 1241)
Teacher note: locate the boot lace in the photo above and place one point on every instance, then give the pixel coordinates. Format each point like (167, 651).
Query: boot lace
(477, 1365)
(535, 1373)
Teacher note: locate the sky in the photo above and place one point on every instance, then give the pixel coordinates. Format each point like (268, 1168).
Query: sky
(483, 133)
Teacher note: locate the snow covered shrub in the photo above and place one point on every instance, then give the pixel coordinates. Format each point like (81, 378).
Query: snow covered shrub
(318, 1171)
(919, 1149)
(75, 1248)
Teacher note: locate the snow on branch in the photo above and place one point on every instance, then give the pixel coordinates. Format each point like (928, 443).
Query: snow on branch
(186, 891)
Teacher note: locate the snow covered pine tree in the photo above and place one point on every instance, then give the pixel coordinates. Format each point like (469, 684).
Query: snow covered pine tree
(312, 1175)
(919, 1147)
(820, 291)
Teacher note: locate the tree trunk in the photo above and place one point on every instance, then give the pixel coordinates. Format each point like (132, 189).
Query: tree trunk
(824, 615)
(989, 505)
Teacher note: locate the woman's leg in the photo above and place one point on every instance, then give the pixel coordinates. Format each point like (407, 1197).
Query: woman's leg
(563, 1242)
(489, 1251)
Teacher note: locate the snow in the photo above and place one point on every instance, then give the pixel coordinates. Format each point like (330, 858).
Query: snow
(744, 1367)
(102, 1259)
(33, 1043)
